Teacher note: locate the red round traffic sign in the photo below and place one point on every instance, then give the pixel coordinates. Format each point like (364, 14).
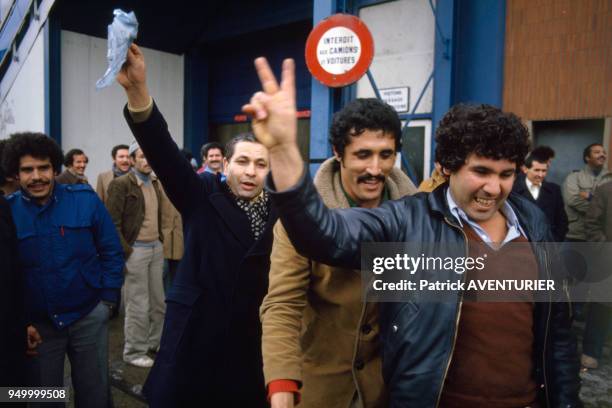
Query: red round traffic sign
(339, 50)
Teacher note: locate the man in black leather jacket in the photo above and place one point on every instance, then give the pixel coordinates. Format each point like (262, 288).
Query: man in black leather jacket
(480, 148)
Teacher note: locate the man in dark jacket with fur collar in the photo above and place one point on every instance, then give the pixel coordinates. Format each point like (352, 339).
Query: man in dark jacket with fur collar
(447, 353)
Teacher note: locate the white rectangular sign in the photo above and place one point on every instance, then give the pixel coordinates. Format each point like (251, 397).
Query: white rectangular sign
(398, 98)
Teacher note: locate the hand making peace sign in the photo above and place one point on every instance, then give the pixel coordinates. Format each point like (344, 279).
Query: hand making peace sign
(275, 122)
(273, 109)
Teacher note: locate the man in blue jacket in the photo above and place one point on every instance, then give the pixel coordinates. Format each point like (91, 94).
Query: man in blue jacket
(448, 353)
(72, 260)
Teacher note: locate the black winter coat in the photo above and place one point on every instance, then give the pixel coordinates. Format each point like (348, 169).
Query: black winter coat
(211, 341)
(550, 201)
(12, 320)
(417, 338)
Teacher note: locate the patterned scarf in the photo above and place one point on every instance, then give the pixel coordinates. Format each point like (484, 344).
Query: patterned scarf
(256, 210)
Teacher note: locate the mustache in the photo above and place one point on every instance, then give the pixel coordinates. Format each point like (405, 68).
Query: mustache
(39, 183)
(369, 177)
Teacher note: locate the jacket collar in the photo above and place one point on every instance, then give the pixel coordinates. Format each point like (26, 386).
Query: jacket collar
(520, 187)
(235, 219)
(135, 180)
(437, 202)
(329, 185)
(525, 211)
(520, 184)
(58, 190)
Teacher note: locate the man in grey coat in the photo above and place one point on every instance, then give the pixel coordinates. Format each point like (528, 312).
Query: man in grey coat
(579, 187)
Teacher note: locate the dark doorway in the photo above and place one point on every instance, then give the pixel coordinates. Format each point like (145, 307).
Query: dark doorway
(568, 138)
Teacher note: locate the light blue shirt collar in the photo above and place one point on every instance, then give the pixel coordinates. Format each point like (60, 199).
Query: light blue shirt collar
(512, 222)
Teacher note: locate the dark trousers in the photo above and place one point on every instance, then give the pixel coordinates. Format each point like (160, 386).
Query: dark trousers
(598, 322)
(86, 344)
(170, 267)
(576, 268)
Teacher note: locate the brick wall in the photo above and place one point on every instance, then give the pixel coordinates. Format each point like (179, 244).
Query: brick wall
(558, 59)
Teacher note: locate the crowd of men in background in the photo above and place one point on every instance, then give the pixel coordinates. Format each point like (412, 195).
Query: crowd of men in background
(244, 297)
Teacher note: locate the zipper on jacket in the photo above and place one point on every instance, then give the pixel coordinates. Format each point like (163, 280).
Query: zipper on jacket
(356, 349)
(569, 299)
(460, 304)
(546, 266)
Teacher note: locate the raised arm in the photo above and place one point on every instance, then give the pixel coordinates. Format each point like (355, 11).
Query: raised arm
(331, 237)
(151, 131)
(334, 237)
(275, 122)
(281, 313)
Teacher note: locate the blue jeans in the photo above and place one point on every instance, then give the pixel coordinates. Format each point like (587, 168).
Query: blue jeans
(598, 323)
(86, 344)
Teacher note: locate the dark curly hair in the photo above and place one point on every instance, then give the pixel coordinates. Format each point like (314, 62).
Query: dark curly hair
(69, 157)
(484, 130)
(543, 153)
(360, 115)
(37, 145)
(211, 145)
(117, 148)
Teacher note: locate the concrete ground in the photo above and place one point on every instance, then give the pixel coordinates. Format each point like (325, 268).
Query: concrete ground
(596, 391)
(126, 379)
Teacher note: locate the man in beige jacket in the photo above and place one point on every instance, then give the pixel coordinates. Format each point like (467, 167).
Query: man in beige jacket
(320, 342)
(121, 166)
(136, 202)
(174, 246)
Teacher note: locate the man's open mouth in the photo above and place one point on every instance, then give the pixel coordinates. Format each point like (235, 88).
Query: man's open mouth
(485, 202)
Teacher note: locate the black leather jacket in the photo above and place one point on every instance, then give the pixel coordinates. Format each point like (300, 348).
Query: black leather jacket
(418, 339)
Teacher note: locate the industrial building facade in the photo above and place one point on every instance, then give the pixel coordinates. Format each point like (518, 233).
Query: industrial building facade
(549, 61)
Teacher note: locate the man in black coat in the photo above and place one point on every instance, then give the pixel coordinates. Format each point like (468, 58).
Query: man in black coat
(13, 337)
(210, 352)
(546, 195)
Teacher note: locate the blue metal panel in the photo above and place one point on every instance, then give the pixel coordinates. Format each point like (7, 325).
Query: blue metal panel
(53, 78)
(443, 63)
(413, 116)
(366, 3)
(233, 79)
(195, 106)
(479, 51)
(262, 15)
(322, 105)
(13, 23)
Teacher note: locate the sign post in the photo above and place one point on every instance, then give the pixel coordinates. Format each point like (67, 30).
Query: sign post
(339, 50)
